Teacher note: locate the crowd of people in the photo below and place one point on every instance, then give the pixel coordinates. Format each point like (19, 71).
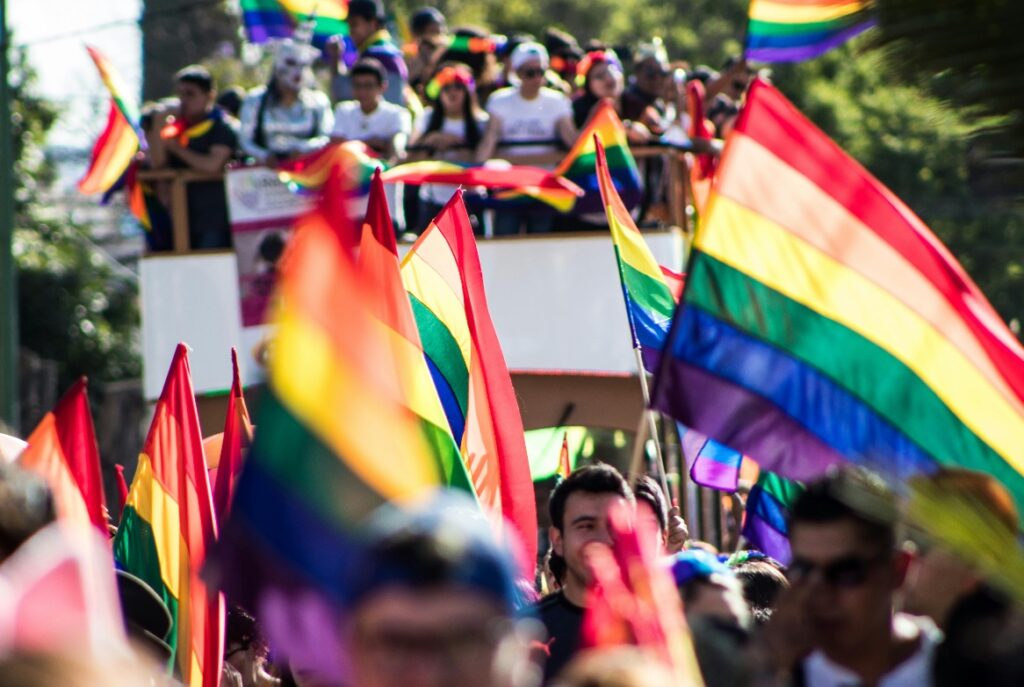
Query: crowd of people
(870, 597)
(450, 94)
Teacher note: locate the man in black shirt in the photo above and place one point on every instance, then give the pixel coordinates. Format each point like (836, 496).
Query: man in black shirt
(198, 138)
(579, 509)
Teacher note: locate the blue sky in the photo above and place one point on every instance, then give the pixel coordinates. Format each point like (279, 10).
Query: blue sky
(66, 74)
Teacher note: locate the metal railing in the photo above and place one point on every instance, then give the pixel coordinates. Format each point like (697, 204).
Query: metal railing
(672, 210)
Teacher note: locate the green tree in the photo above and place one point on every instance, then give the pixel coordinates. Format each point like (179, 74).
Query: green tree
(75, 306)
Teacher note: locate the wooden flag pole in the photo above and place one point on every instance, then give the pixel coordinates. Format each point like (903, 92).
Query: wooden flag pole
(652, 427)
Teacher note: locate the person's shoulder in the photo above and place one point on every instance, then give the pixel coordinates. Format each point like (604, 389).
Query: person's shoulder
(253, 97)
(553, 95)
(552, 603)
(345, 107)
(502, 95)
(314, 97)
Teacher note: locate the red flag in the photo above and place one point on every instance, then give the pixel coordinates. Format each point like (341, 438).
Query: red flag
(235, 440)
(564, 466)
(63, 450)
(633, 601)
(122, 488)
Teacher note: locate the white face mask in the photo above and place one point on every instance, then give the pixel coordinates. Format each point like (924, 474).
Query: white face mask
(291, 66)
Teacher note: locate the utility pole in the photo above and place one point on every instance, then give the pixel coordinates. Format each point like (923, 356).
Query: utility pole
(9, 411)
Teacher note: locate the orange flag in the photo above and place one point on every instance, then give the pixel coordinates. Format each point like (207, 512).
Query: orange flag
(168, 527)
(63, 450)
(236, 439)
(564, 465)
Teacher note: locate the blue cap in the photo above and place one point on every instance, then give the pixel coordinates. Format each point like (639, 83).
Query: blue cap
(697, 564)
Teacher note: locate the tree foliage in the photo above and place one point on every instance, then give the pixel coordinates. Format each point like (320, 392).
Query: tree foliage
(75, 306)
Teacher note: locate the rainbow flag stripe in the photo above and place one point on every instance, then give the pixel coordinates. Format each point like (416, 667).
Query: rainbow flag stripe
(334, 437)
(309, 173)
(443, 278)
(793, 30)
(119, 92)
(167, 527)
(766, 525)
(818, 304)
(267, 19)
(121, 138)
(711, 464)
(649, 299)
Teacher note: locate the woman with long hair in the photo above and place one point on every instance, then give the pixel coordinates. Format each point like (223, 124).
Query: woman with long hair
(450, 129)
(601, 77)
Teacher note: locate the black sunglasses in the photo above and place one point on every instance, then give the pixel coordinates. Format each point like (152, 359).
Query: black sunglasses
(845, 573)
(531, 73)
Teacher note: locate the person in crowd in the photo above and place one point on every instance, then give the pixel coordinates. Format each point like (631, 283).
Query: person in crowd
(579, 508)
(763, 580)
(434, 603)
(381, 125)
(530, 115)
(288, 117)
(643, 100)
(230, 103)
(600, 76)
(507, 76)
(450, 129)
(246, 650)
(565, 55)
(26, 506)
(984, 629)
(429, 33)
(197, 137)
(475, 55)
(653, 515)
(836, 624)
(366, 29)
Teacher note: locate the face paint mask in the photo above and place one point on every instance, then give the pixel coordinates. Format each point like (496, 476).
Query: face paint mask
(291, 66)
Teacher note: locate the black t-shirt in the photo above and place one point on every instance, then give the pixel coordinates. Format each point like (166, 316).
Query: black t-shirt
(563, 621)
(207, 206)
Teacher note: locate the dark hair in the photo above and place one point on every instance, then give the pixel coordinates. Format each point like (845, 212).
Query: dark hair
(648, 491)
(424, 17)
(26, 506)
(849, 494)
(197, 75)
(558, 42)
(470, 110)
(241, 628)
(762, 583)
(592, 479)
(230, 100)
(514, 41)
(370, 66)
(366, 9)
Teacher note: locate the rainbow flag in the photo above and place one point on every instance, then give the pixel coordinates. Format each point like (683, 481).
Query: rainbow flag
(267, 19)
(766, 525)
(793, 30)
(445, 284)
(378, 265)
(824, 323)
(710, 463)
(62, 449)
(309, 173)
(168, 527)
(121, 138)
(235, 441)
(334, 440)
(649, 299)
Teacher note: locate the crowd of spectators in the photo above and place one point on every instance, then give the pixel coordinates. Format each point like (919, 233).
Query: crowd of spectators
(457, 94)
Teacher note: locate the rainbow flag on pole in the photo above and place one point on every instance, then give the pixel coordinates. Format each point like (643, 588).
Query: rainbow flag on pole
(766, 525)
(62, 449)
(649, 299)
(167, 528)
(267, 19)
(121, 138)
(824, 323)
(793, 30)
(445, 284)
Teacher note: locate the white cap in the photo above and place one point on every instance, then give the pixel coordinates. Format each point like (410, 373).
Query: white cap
(529, 52)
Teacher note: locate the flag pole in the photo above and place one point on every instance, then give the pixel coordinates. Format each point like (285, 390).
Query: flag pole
(652, 427)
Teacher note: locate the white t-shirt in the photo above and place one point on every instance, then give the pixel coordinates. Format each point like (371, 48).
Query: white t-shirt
(528, 120)
(441, 193)
(387, 121)
(916, 671)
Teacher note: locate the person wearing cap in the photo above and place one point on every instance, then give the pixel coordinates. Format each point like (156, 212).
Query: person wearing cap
(289, 116)
(527, 119)
(366, 30)
(433, 602)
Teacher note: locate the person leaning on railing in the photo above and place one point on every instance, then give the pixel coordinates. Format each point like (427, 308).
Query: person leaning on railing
(196, 137)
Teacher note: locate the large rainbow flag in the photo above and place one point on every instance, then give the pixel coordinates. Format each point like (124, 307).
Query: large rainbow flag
(267, 19)
(649, 299)
(121, 138)
(334, 440)
(445, 285)
(793, 30)
(167, 527)
(378, 265)
(824, 323)
(62, 449)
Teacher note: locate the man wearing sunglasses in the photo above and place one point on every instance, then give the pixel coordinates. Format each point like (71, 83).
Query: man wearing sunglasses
(836, 626)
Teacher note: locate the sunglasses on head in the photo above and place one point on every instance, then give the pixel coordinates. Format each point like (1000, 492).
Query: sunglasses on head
(846, 573)
(531, 72)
